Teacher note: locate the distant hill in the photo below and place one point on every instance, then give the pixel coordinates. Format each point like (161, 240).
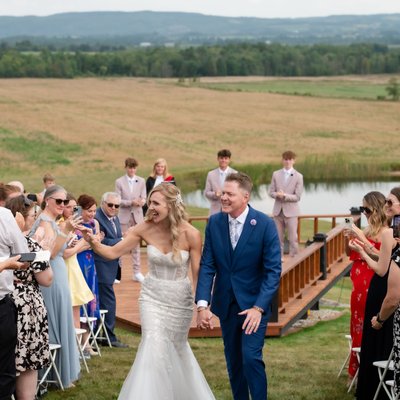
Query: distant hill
(132, 28)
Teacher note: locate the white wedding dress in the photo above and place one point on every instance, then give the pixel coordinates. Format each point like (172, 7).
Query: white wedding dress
(165, 367)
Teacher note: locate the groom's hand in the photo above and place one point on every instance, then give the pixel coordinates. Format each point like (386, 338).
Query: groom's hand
(252, 321)
(204, 319)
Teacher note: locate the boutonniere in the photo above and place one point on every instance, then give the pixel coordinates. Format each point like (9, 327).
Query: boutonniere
(253, 222)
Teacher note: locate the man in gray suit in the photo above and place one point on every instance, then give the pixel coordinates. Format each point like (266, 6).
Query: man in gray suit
(216, 179)
(132, 190)
(286, 188)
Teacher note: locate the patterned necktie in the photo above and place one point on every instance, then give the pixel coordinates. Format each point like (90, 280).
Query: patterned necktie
(113, 224)
(234, 233)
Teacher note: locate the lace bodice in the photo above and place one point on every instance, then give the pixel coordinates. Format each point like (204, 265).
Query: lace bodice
(162, 266)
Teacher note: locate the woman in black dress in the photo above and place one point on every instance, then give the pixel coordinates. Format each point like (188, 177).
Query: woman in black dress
(160, 174)
(377, 343)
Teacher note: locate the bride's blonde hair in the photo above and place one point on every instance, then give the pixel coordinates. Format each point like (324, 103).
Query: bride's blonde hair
(176, 215)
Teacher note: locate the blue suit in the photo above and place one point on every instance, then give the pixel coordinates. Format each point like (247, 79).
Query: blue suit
(245, 277)
(107, 270)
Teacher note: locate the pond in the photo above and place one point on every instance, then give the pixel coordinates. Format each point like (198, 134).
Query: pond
(317, 198)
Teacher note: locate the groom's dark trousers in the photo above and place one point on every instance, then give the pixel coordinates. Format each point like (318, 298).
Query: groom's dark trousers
(245, 277)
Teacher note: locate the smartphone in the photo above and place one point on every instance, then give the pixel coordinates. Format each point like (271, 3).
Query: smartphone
(25, 257)
(77, 211)
(396, 226)
(348, 221)
(74, 237)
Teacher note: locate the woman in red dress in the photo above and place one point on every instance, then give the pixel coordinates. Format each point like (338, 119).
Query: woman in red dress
(361, 274)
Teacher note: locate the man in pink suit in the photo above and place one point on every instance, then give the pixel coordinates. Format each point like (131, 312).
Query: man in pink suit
(216, 179)
(132, 190)
(286, 188)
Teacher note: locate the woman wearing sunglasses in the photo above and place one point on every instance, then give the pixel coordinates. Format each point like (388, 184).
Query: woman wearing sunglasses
(80, 292)
(57, 297)
(376, 344)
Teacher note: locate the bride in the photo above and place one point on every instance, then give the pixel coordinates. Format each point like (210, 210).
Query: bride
(165, 367)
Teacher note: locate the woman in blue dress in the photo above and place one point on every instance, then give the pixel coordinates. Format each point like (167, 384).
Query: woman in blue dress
(86, 258)
(57, 297)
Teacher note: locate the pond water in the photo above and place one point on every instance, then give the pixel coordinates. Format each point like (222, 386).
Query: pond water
(317, 198)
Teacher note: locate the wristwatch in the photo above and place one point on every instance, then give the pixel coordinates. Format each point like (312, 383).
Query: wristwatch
(379, 320)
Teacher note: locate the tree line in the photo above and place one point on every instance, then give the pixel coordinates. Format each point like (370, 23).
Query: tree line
(242, 59)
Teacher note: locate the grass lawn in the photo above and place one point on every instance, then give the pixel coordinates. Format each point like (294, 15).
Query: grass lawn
(302, 365)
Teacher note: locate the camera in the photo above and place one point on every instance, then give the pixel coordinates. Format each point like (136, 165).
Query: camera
(396, 226)
(32, 197)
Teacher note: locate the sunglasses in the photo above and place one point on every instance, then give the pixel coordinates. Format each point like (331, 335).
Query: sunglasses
(391, 203)
(365, 210)
(111, 205)
(60, 201)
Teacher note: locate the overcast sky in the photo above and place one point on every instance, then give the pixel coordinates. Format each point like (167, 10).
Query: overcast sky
(251, 8)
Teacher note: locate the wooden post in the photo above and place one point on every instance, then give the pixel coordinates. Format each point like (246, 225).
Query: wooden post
(323, 265)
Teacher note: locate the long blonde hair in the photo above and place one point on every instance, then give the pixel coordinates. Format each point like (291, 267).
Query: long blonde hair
(377, 219)
(176, 215)
(160, 161)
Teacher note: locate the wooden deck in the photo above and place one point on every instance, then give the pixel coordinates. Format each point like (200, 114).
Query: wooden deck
(302, 285)
(127, 293)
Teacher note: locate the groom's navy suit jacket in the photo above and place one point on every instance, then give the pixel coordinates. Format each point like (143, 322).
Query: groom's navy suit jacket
(249, 274)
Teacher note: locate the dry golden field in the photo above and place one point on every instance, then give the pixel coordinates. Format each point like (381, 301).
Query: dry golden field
(111, 119)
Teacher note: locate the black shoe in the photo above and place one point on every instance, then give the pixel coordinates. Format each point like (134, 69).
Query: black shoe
(119, 344)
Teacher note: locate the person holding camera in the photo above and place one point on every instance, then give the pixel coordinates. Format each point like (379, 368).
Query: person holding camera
(376, 344)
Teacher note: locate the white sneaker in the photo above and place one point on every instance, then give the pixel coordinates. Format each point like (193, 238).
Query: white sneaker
(138, 277)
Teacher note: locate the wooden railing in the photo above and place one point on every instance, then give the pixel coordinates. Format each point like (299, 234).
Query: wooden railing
(310, 265)
(332, 217)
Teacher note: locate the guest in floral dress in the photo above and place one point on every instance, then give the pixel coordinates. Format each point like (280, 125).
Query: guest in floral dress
(32, 351)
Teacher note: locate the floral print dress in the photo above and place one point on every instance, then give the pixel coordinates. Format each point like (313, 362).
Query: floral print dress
(32, 351)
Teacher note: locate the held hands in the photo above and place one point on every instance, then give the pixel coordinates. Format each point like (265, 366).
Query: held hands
(204, 319)
(252, 321)
(357, 245)
(89, 236)
(280, 194)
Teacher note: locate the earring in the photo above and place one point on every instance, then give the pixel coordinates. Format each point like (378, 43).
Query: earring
(47, 204)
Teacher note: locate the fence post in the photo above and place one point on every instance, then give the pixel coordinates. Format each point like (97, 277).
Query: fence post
(321, 237)
(274, 308)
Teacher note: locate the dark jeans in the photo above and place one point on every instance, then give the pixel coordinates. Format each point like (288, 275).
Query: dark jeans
(8, 341)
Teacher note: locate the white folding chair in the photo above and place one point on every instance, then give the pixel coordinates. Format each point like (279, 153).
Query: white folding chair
(53, 355)
(102, 326)
(346, 361)
(383, 367)
(90, 322)
(79, 334)
(354, 380)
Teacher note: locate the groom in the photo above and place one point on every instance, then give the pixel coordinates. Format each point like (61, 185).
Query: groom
(242, 252)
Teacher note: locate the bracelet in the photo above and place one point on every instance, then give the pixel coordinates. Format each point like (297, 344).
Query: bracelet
(202, 308)
(259, 309)
(379, 320)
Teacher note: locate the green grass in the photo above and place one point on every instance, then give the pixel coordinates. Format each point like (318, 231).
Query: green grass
(302, 365)
(320, 88)
(40, 148)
